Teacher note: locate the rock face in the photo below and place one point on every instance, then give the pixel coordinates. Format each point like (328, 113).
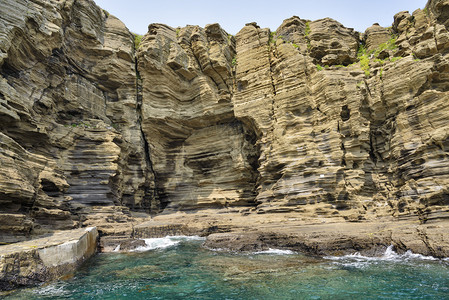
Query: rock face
(45, 259)
(187, 85)
(94, 132)
(375, 36)
(70, 134)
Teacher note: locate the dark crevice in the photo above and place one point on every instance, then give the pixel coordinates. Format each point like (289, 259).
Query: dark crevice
(345, 113)
(151, 193)
(252, 158)
(273, 86)
(9, 71)
(270, 61)
(372, 150)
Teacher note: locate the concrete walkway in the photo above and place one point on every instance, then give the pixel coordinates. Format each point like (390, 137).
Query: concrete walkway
(44, 259)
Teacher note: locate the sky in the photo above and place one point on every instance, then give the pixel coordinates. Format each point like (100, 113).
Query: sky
(232, 15)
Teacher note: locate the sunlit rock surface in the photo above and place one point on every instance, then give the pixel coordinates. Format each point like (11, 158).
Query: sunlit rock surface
(70, 128)
(202, 154)
(314, 119)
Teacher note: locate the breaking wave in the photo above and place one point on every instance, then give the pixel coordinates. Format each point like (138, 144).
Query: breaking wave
(275, 252)
(165, 242)
(358, 260)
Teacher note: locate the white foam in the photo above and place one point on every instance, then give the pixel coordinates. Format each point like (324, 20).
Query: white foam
(52, 290)
(358, 260)
(165, 242)
(276, 252)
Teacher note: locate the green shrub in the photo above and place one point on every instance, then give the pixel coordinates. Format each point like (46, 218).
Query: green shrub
(234, 61)
(364, 57)
(389, 45)
(307, 31)
(381, 61)
(319, 68)
(137, 40)
(364, 60)
(272, 35)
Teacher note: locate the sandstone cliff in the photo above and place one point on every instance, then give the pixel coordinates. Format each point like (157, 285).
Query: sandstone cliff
(314, 118)
(72, 150)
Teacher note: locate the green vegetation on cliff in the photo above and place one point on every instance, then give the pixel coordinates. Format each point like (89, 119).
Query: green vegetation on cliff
(365, 57)
(137, 40)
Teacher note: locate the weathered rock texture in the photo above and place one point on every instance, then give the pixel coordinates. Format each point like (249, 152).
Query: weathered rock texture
(254, 121)
(41, 260)
(304, 119)
(202, 154)
(70, 135)
(297, 231)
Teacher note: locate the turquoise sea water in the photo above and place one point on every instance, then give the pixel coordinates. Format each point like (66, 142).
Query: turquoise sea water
(179, 268)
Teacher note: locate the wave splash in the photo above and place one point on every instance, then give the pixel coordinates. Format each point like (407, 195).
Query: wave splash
(165, 242)
(358, 260)
(275, 252)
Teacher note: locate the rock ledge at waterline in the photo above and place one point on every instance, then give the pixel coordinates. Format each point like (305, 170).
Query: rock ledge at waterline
(301, 123)
(48, 258)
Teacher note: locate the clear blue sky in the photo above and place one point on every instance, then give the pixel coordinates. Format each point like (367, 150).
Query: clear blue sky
(233, 15)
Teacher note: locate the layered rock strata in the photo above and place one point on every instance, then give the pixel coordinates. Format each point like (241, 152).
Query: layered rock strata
(339, 141)
(71, 140)
(202, 155)
(314, 119)
(327, 127)
(299, 232)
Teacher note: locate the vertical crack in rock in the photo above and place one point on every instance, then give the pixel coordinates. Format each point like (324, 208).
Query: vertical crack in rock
(69, 102)
(151, 194)
(271, 58)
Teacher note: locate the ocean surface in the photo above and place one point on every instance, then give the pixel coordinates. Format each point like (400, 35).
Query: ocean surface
(179, 268)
